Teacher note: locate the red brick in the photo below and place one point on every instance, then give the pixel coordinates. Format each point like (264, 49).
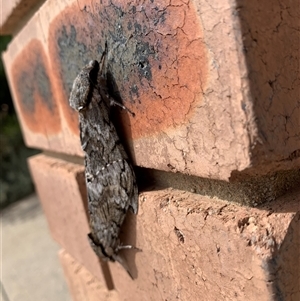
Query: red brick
(190, 245)
(204, 104)
(82, 284)
(61, 189)
(41, 109)
(196, 248)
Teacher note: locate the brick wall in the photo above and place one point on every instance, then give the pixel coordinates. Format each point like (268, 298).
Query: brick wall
(215, 92)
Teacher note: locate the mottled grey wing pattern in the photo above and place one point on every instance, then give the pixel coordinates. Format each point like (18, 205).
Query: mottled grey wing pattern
(110, 179)
(115, 183)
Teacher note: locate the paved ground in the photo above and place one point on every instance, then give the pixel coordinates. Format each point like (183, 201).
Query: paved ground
(29, 265)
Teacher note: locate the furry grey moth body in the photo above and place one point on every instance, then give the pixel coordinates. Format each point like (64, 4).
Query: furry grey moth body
(110, 180)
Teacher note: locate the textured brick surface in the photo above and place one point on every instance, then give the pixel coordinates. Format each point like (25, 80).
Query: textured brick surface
(194, 246)
(204, 103)
(215, 91)
(190, 245)
(82, 284)
(61, 189)
(271, 45)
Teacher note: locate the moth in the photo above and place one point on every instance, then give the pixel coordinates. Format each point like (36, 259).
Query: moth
(110, 179)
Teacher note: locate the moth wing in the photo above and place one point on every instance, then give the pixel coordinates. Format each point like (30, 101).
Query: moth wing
(134, 204)
(130, 186)
(113, 191)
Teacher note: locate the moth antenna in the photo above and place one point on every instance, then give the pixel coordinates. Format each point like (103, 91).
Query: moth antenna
(115, 103)
(103, 59)
(122, 247)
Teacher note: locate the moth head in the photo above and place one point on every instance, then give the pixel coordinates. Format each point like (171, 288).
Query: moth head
(83, 86)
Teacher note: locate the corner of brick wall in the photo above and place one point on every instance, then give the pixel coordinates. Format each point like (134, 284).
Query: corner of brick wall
(204, 107)
(189, 243)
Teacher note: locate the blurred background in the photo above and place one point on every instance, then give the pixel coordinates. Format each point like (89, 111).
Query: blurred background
(29, 265)
(15, 180)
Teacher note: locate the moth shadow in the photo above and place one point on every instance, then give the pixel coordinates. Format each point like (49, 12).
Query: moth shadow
(120, 117)
(121, 122)
(128, 237)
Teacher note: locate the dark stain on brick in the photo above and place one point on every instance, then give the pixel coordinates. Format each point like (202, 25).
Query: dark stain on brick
(70, 52)
(142, 53)
(34, 90)
(159, 18)
(134, 90)
(138, 28)
(129, 25)
(34, 79)
(24, 84)
(150, 58)
(43, 84)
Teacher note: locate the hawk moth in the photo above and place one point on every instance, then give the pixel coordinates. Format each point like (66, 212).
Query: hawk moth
(110, 179)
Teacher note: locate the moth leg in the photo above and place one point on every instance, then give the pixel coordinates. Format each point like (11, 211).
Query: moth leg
(119, 259)
(115, 103)
(103, 72)
(121, 247)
